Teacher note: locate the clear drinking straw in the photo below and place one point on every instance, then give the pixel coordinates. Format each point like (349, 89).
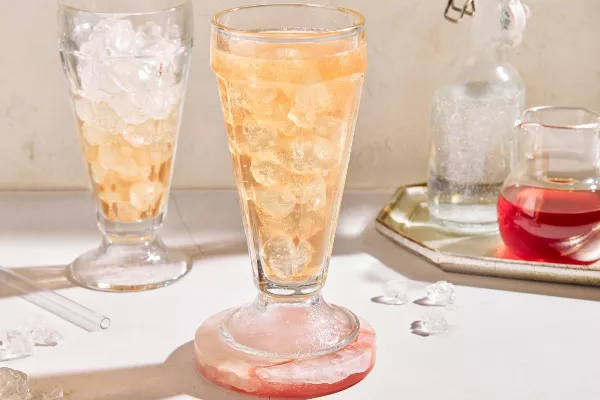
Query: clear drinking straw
(53, 302)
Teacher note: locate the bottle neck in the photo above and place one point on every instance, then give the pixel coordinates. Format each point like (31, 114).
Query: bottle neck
(486, 46)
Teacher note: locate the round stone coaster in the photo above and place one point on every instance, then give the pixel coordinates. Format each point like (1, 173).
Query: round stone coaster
(260, 376)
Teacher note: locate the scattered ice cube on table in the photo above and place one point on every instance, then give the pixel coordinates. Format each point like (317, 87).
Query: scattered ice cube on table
(395, 292)
(14, 345)
(55, 392)
(13, 385)
(43, 335)
(433, 324)
(286, 259)
(39, 333)
(441, 293)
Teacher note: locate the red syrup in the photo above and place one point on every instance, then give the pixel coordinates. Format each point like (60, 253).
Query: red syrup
(558, 226)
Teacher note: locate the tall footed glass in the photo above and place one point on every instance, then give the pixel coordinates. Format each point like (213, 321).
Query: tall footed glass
(126, 64)
(290, 79)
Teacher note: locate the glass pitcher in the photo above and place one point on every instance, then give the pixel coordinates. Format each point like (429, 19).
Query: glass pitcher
(549, 206)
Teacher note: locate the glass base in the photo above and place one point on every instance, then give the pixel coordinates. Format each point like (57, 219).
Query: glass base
(119, 267)
(282, 377)
(468, 228)
(295, 327)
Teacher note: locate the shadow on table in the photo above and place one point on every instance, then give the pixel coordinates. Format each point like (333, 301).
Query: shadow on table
(56, 277)
(415, 268)
(52, 277)
(177, 376)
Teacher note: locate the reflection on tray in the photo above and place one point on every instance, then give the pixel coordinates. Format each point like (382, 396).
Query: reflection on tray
(405, 220)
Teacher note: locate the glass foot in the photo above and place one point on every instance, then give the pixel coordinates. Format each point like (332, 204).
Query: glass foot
(292, 377)
(289, 327)
(118, 267)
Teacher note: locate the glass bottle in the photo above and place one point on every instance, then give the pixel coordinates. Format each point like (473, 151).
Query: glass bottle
(472, 121)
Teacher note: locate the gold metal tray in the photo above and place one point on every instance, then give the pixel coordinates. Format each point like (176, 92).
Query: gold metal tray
(405, 220)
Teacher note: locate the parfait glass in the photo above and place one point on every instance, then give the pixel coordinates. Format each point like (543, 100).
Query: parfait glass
(126, 64)
(290, 78)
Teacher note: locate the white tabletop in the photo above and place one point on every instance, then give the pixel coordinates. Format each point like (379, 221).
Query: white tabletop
(510, 339)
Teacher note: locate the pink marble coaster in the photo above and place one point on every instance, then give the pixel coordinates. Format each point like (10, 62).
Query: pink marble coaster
(307, 377)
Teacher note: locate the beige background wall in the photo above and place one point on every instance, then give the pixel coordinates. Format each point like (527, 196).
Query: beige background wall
(412, 49)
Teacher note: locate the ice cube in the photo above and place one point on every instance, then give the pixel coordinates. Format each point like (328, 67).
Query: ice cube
(98, 172)
(40, 333)
(118, 158)
(433, 324)
(125, 212)
(272, 227)
(54, 394)
(159, 101)
(331, 128)
(303, 112)
(440, 294)
(158, 153)
(45, 336)
(120, 37)
(13, 384)
(145, 194)
(256, 99)
(99, 114)
(94, 134)
(153, 160)
(142, 134)
(150, 30)
(268, 173)
(277, 201)
(308, 102)
(309, 223)
(110, 197)
(261, 136)
(14, 345)
(96, 81)
(285, 259)
(51, 391)
(395, 292)
(312, 154)
(125, 108)
(136, 70)
(312, 194)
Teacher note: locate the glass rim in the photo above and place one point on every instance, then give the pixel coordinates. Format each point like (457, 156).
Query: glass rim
(351, 30)
(520, 123)
(183, 4)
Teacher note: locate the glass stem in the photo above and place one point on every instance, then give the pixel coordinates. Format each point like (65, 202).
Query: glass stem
(143, 232)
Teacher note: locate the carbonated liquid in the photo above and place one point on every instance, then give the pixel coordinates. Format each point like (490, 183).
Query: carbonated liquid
(290, 111)
(471, 150)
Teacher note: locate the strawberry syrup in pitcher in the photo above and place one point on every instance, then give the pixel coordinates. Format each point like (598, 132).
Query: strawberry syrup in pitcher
(551, 225)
